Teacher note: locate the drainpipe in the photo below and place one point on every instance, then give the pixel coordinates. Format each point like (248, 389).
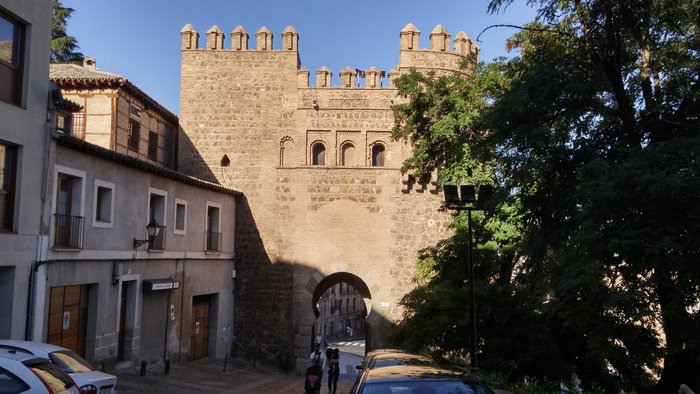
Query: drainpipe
(34, 291)
(167, 322)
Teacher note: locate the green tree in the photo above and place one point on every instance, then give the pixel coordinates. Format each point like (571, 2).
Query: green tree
(64, 48)
(593, 133)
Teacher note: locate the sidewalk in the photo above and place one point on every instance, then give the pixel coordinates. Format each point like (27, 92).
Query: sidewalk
(207, 375)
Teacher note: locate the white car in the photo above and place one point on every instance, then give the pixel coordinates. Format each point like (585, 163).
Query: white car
(25, 373)
(88, 379)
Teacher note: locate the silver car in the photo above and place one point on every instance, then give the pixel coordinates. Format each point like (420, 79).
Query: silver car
(88, 379)
(26, 373)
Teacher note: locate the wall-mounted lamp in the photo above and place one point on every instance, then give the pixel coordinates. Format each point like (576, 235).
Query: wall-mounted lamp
(314, 104)
(153, 230)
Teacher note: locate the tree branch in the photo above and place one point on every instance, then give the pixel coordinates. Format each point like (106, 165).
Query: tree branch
(528, 28)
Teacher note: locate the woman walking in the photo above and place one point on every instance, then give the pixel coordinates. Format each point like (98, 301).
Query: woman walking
(331, 368)
(333, 377)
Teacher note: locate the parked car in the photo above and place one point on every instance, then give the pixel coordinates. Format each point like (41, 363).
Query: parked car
(25, 373)
(418, 379)
(388, 357)
(392, 359)
(88, 379)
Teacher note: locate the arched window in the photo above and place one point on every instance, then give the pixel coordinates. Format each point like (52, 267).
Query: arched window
(347, 154)
(318, 154)
(378, 155)
(286, 151)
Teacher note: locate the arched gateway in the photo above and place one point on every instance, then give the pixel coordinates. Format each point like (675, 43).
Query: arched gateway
(307, 222)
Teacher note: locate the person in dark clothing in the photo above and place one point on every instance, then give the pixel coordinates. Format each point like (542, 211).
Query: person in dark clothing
(335, 374)
(331, 367)
(314, 373)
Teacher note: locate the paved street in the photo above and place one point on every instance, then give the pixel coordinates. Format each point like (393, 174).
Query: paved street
(207, 375)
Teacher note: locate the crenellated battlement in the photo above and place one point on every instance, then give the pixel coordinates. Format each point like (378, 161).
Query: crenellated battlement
(442, 55)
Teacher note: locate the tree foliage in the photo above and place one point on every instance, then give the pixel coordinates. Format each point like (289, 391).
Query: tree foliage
(64, 48)
(592, 134)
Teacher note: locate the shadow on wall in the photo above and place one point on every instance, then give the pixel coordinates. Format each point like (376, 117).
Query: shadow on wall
(190, 161)
(265, 325)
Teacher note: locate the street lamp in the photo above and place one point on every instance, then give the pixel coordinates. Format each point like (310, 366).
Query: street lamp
(153, 231)
(465, 198)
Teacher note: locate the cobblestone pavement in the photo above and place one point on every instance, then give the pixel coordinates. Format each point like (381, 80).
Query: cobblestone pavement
(207, 376)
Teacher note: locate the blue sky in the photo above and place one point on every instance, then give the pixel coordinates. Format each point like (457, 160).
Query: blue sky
(140, 39)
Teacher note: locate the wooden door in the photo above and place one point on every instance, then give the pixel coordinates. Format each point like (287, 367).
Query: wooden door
(68, 306)
(199, 334)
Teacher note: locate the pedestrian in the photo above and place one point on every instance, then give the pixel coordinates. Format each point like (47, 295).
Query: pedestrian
(314, 373)
(332, 364)
(317, 357)
(336, 371)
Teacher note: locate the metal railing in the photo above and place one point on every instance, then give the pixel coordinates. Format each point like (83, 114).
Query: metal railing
(213, 241)
(68, 232)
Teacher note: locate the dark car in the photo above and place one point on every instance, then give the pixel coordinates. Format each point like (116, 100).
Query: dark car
(389, 357)
(418, 379)
(393, 359)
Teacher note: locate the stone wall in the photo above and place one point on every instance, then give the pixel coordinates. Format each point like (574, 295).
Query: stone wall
(249, 120)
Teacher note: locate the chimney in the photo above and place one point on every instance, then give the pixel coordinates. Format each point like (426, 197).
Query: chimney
(89, 62)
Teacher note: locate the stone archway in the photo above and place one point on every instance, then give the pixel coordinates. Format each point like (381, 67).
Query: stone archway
(308, 313)
(338, 277)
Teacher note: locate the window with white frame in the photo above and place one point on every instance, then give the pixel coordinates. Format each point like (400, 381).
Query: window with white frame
(213, 235)
(180, 216)
(68, 218)
(157, 206)
(103, 212)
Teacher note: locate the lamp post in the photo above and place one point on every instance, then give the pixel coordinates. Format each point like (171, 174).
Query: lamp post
(153, 231)
(465, 198)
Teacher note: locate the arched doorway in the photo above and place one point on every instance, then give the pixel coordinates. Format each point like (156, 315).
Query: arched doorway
(341, 303)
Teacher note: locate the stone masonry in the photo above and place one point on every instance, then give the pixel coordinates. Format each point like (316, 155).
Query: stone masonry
(325, 198)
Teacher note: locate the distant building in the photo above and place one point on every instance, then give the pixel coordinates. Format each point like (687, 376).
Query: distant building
(116, 114)
(341, 308)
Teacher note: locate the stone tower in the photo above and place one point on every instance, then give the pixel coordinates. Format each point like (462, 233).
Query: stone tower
(325, 198)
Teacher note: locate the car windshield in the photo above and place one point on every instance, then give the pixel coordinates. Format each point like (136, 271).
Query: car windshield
(51, 375)
(70, 362)
(425, 387)
(400, 361)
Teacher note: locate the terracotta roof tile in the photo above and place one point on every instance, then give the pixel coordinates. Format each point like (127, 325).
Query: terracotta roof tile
(76, 72)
